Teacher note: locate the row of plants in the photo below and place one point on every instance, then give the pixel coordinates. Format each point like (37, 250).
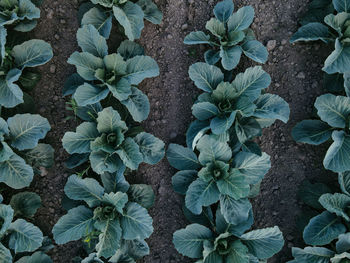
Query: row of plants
(326, 223)
(221, 166)
(21, 130)
(106, 209)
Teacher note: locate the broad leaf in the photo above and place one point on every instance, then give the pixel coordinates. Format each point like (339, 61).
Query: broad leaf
(151, 11)
(129, 153)
(339, 60)
(271, 106)
(136, 222)
(74, 225)
(140, 68)
(182, 180)
(10, 93)
(142, 194)
(195, 38)
(24, 237)
(230, 57)
(189, 241)
(323, 229)
(312, 131)
(6, 216)
(102, 162)
(341, 5)
(338, 154)
(182, 158)
(151, 148)
(312, 32)
(101, 20)
(35, 258)
(212, 150)
(26, 130)
(206, 77)
(312, 255)
(91, 41)
(137, 104)
(336, 203)
(242, 19)
(234, 211)
(25, 204)
(343, 243)
(5, 254)
(223, 10)
(310, 193)
(88, 94)
(256, 51)
(129, 49)
(109, 239)
(86, 64)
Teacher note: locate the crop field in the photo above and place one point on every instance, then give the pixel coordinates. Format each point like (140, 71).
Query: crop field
(163, 131)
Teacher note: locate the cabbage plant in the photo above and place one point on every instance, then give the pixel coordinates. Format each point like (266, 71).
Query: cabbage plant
(128, 13)
(327, 233)
(102, 74)
(239, 104)
(114, 214)
(18, 236)
(213, 174)
(211, 239)
(334, 114)
(19, 15)
(15, 62)
(332, 29)
(109, 146)
(21, 154)
(229, 37)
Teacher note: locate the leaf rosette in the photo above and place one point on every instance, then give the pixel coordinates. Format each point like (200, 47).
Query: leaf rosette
(230, 37)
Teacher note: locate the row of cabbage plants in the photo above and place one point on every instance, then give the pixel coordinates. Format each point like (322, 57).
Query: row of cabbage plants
(326, 223)
(221, 166)
(21, 152)
(104, 210)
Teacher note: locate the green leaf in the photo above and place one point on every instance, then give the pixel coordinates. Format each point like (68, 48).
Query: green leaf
(90, 40)
(323, 229)
(26, 130)
(204, 110)
(6, 152)
(212, 56)
(102, 162)
(338, 154)
(35, 258)
(32, 53)
(333, 109)
(87, 189)
(10, 93)
(142, 194)
(79, 141)
(344, 182)
(213, 257)
(151, 11)
(253, 166)
(73, 226)
(310, 193)
(247, 129)
(109, 239)
(16, 173)
(41, 156)
(238, 253)
(86, 64)
(101, 20)
(25, 204)
(336, 203)
(271, 106)
(118, 200)
(29, 80)
(212, 150)
(220, 125)
(205, 77)
(339, 60)
(230, 57)
(313, 132)
(264, 243)
(242, 19)
(88, 94)
(151, 148)
(234, 211)
(223, 10)
(115, 182)
(6, 216)
(189, 241)
(198, 37)
(256, 51)
(312, 255)
(312, 32)
(5, 254)
(182, 180)
(72, 83)
(136, 222)
(129, 153)
(252, 82)
(342, 5)
(234, 185)
(201, 193)
(216, 27)
(129, 49)
(24, 237)
(343, 243)
(138, 105)
(130, 16)
(109, 120)
(344, 257)
(140, 68)
(182, 158)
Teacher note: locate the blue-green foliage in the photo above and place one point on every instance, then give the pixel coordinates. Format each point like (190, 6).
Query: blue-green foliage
(114, 217)
(230, 37)
(222, 167)
(128, 14)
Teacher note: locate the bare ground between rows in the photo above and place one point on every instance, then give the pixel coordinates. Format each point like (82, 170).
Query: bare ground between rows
(296, 76)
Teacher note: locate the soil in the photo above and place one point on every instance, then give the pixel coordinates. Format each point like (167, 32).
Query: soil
(297, 77)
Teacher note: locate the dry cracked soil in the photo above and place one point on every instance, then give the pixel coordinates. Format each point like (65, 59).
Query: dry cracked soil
(296, 76)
